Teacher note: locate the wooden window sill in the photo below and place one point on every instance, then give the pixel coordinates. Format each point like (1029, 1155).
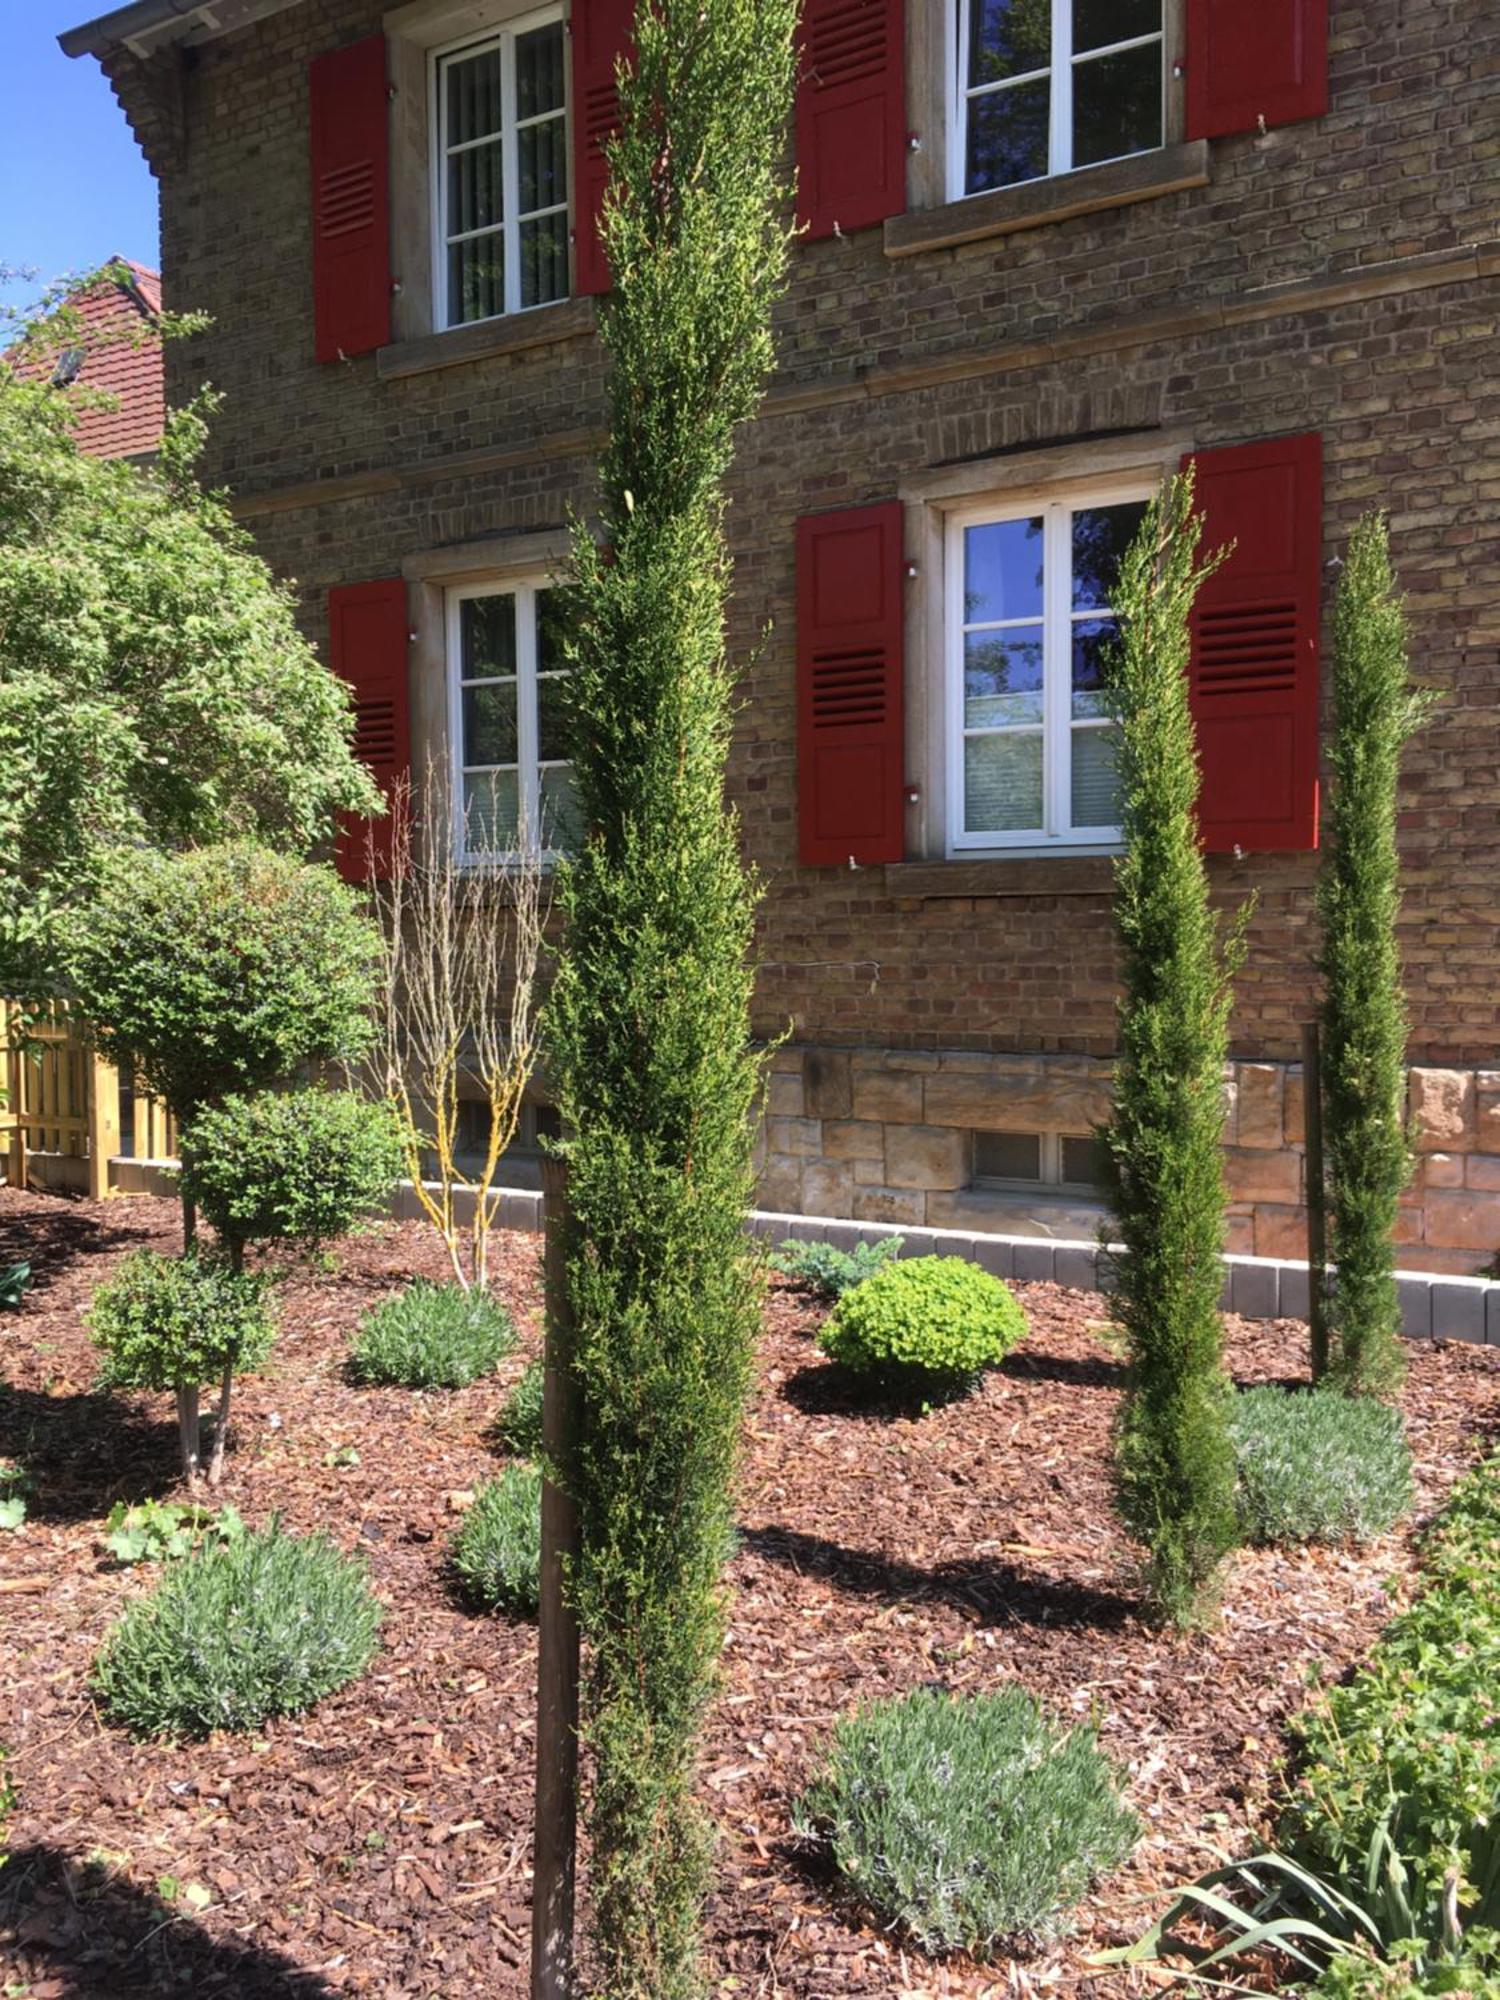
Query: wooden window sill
(1058, 198)
(512, 334)
(1029, 875)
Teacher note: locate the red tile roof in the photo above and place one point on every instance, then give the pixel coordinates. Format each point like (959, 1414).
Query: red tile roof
(130, 374)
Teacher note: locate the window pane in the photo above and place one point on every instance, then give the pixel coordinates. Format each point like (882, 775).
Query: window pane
(1002, 678)
(1007, 139)
(473, 96)
(551, 627)
(544, 259)
(543, 155)
(476, 279)
(553, 729)
(1083, 1162)
(1003, 571)
(1092, 639)
(490, 724)
(1096, 785)
(1098, 23)
(1008, 38)
(476, 197)
(491, 812)
(1101, 535)
(488, 636)
(1003, 783)
(562, 823)
(539, 71)
(1117, 105)
(1007, 1156)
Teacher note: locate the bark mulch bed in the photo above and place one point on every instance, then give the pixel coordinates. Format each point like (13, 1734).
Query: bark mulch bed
(380, 1844)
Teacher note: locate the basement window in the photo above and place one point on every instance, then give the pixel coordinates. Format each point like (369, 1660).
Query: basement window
(1024, 1162)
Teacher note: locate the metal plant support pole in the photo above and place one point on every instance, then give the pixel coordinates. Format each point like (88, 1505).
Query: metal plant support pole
(1317, 1226)
(554, 1855)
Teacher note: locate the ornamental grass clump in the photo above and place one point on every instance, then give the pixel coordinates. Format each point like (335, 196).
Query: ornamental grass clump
(926, 1327)
(432, 1337)
(1316, 1466)
(497, 1552)
(968, 1821)
(264, 1625)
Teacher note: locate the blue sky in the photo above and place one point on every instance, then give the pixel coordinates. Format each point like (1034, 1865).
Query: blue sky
(74, 188)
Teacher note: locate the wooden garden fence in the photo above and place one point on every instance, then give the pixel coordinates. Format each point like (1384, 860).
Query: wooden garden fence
(70, 1120)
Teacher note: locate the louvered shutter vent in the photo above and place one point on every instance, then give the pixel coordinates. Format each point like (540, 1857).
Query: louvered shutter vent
(351, 231)
(850, 721)
(1254, 62)
(367, 640)
(1255, 645)
(851, 114)
(601, 33)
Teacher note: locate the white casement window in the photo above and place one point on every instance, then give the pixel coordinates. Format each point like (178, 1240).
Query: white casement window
(1028, 591)
(1046, 86)
(512, 782)
(500, 171)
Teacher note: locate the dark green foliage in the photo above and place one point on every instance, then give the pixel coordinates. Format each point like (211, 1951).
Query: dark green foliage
(931, 1326)
(1375, 709)
(303, 1165)
(14, 1281)
(221, 970)
(1409, 1742)
(1176, 1468)
(165, 1322)
(519, 1426)
(1316, 1467)
(432, 1337)
(830, 1272)
(968, 1820)
(237, 1633)
(650, 1047)
(497, 1552)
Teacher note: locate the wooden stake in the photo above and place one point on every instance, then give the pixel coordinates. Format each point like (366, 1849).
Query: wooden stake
(1317, 1225)
(555, 1851)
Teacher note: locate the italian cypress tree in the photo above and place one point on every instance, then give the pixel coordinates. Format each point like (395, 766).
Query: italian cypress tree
(1375, 709)
(649, 1018)
(1176, 1470)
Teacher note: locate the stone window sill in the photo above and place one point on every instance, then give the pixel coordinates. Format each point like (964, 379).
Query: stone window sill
(513, 334)
(1003, 211)
(1038, 875)
(1047, 1213)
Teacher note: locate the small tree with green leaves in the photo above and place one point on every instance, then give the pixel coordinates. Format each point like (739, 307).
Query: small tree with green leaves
(1176, 1465)
(1367, 1157)
(649, 1020)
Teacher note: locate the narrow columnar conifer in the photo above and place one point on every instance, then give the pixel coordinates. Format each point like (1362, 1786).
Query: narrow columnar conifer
(649, 1018)
(1176, 1467)
(1367, 1158)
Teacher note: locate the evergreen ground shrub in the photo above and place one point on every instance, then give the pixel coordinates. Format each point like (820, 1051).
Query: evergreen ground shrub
(519, 1426)
(240, 1631)
(928, 1326)
(827, 1271)
(1317, 1466)
(497, 1551)
(432, 1337)
(968, 1821)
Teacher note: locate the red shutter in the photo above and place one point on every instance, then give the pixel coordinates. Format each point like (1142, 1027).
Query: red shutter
(601, 34)
(851, 114)
(350, 199)
(1254, 62)
(851, 775)
(367, 641)
(1255, 645)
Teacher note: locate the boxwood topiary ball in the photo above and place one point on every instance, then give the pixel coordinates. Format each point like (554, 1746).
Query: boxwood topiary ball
(931, 1324)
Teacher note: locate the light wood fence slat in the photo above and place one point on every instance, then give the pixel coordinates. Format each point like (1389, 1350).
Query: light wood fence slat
(60, 1122)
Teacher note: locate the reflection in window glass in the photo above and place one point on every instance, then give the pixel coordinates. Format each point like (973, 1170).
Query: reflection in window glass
(514, 777)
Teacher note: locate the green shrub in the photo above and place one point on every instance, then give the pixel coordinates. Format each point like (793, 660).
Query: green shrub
(237, 1633)
(162, 1322)
(519, 1428)
(432, 1337)
(967, 1820)
(829, 1271)
(301, 1165)
(1318, 1466)
(497, 1552)
(165, 1530)
(1472, 1973)
(931, 1323)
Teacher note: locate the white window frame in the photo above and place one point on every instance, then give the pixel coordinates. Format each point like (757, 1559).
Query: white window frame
(1060, 103)
(529, 765)
(1058, 618)
(503, 37)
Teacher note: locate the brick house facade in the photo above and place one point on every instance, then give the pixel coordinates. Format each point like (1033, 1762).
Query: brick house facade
(992, 348)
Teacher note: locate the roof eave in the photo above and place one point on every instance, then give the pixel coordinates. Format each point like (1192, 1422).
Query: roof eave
(147, 25)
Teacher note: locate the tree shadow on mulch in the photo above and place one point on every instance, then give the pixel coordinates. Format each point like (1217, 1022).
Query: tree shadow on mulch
(827, 1390)
(92, 1935)
(1000, 1591)
(84, 1452)
(52, 1243)
(1078, 1372)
